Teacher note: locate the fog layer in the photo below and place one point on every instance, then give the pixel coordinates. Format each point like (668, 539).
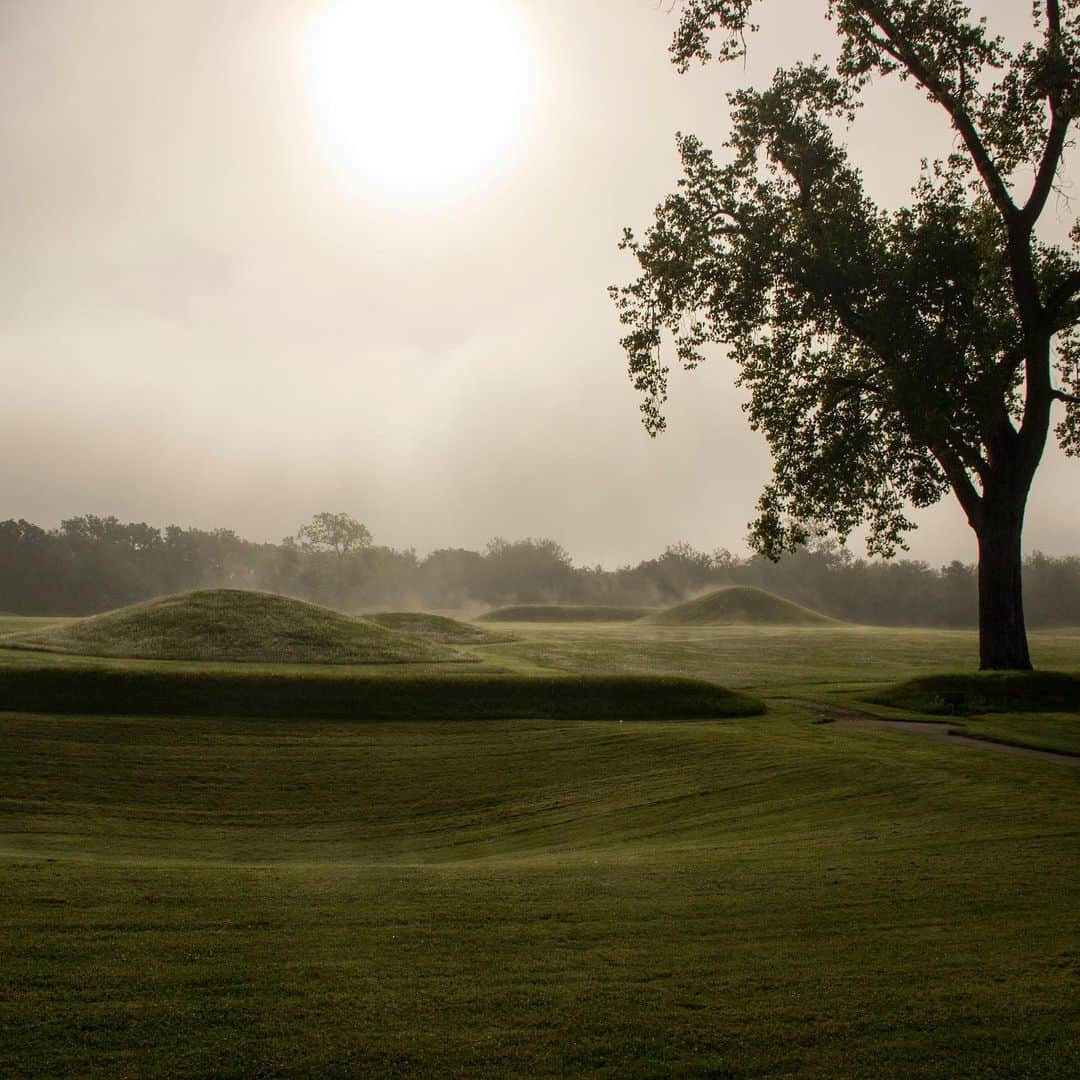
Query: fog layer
(203, 322)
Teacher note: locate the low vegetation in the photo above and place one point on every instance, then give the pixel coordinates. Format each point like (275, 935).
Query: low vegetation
(1058, 732)
(998, 692)
(232, 625)
(11, 624)
(739, 605)
(556, 613)
(437, 628)
(162, 690)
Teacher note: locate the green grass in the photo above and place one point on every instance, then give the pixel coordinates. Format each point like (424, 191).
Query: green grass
(565, 613)
(232, 624)
(1040, 710)
(740, 605)
(752, 897)
(766, 659)
(10, 624)
(438, 628)
(1057, 731)
(1040, 691)
(402, 695)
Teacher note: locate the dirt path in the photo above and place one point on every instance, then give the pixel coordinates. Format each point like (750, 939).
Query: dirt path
(937, 732)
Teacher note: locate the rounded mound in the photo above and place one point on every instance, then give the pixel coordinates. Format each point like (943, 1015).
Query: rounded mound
(565, 613)
(236, 625)
(740, 605)
(990, 691)
(437, 628)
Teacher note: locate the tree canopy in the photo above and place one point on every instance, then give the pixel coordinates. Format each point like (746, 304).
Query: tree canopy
(89, 565)
(889, 355)
(339, 533)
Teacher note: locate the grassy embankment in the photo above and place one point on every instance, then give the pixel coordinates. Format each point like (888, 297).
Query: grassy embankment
(748, 897)
(339, 667)
(165, 690)
(739, 605)
(439, 628)
(564, 613)
(1039, 710)
(234, 625)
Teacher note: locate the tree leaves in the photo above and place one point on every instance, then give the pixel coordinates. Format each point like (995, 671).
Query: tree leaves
(888, 356)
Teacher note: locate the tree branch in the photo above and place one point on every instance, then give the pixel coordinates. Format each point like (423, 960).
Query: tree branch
(844, 387)
(971, 458)
(1044, 178)
(1059, 125)
(1053, 16)
(960, 482)
(1062, 295)
(900, 49)
(1069, 399)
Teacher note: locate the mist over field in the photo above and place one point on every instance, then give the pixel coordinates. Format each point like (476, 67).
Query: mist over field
(92, 565)
(206, 319)
(378, 699)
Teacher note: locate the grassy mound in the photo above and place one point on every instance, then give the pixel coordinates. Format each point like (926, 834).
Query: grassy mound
(740, 605)
(997, 692)
(437, 628)
(159, 691)
(233, 625)
(565, 613)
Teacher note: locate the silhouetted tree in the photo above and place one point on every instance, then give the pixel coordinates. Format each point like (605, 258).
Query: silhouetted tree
(527, 571)
(339, 533)
(451, 577)
(680, 571)
(892, 356)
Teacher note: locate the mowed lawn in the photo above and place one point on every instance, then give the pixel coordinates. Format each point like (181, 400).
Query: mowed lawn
(768, 659)
(754, 897)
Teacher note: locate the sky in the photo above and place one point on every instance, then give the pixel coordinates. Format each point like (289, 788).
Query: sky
(273, 257)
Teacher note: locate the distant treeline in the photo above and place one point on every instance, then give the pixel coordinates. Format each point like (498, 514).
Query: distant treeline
(93, 564)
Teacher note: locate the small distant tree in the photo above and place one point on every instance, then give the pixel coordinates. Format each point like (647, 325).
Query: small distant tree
(889, 356)
(680, 571)
(339, 533)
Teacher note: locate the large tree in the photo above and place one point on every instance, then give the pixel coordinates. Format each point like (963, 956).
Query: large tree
(889, 355)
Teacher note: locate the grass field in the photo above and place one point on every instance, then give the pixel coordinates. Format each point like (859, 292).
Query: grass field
(10, 624)
(754, 897)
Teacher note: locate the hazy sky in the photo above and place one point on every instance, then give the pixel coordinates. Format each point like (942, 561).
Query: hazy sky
(269, 257)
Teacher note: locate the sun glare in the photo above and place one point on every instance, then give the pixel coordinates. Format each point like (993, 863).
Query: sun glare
(421, 100)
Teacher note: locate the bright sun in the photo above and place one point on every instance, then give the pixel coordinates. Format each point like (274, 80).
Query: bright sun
(423, 100)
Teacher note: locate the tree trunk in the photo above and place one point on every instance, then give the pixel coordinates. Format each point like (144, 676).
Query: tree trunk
(1002, 636)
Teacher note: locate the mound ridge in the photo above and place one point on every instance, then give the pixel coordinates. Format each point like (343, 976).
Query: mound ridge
(455, 693)
(739, 605)
(564, 613)
(437, 628)
(986, 691)
(235, 625)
